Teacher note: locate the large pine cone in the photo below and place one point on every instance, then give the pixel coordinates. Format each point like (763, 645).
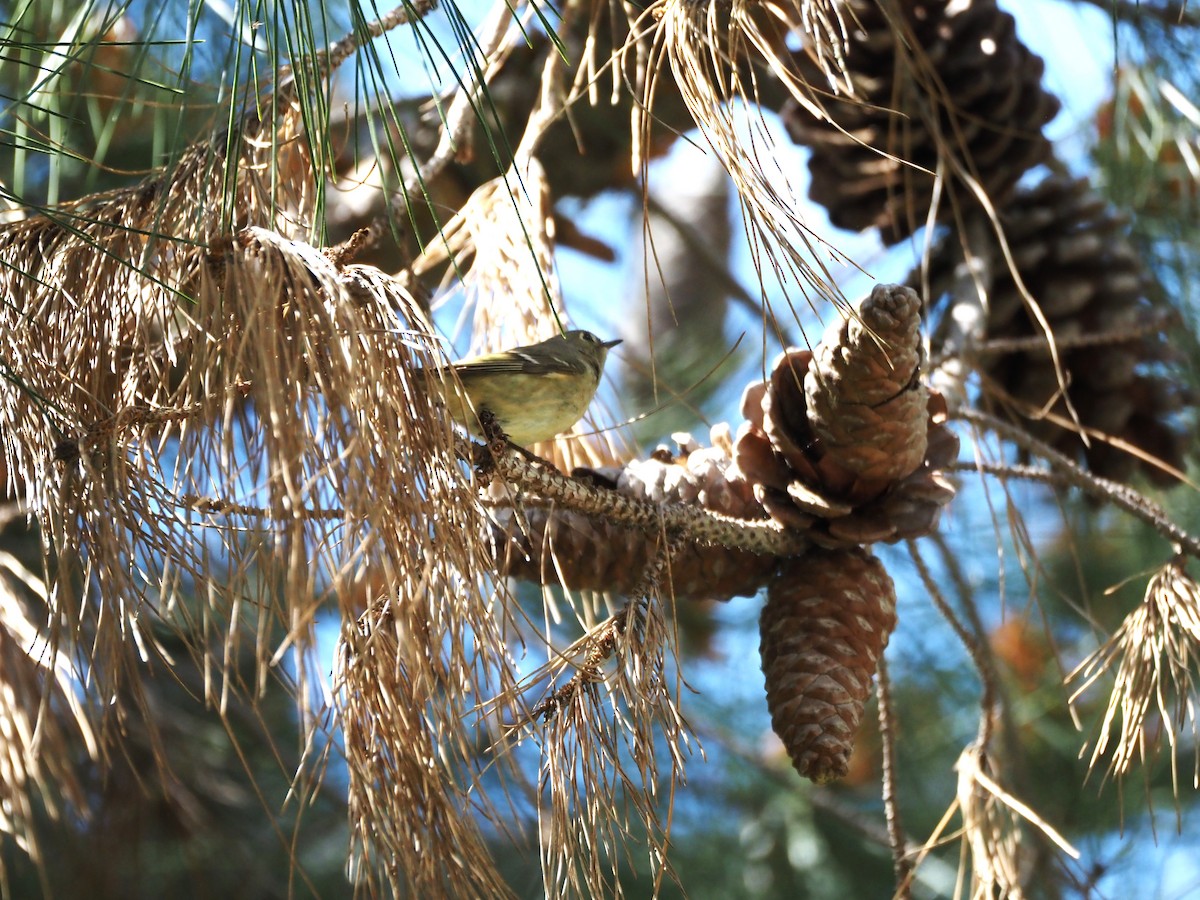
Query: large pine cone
(960, 78)
(1071, 252)
(845, 443)
(827, 619)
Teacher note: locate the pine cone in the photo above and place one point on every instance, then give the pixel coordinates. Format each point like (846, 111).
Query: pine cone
(1071, 253)
(597, 555)
(984, 99)
(827, 619)
(865, 402)
(593, 554)
(845, 444)
(703, 475)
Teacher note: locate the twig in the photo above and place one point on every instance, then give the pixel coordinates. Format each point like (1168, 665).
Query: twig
(901, 864)
(217, 506)
(1152, 325)
(1169, 13)
(984, 664)
(68, 448)
(694, 523)
(1065, 469)
(602, 642)
(761, 536)
(459, 117)
(1052, 477)
(329, 59)
(992, 700)
(345, 252)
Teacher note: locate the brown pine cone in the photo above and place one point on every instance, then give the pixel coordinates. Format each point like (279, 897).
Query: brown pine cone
(570, 548)
(856, 459)
(958, 77)
(826, 622)
(865, 401)
(1072, 254)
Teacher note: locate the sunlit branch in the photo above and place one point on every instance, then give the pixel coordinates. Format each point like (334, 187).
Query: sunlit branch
(693, 522)
(1066, 471)
(901, 864)
(459, 116)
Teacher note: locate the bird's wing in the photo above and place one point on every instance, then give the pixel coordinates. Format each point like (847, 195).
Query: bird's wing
(495, 364)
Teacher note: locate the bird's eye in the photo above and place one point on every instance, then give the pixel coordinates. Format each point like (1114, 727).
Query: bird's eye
(590, 338)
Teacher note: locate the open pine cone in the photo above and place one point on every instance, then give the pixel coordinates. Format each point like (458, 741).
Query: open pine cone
(845, 443)
(1072, 254)
(960, 79)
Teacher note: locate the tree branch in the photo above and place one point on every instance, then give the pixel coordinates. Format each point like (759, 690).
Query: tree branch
(763, 536)
(1066, 471)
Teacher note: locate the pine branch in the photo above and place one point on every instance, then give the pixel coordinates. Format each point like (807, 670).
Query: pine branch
(690, 522)
(1064, 469)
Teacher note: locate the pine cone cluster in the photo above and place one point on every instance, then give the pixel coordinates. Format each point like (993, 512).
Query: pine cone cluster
(963, 80)
(845, 443)
(826, 622)
(594, 554)
(1071, 252)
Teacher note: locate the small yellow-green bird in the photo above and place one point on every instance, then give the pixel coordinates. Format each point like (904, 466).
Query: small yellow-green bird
(535, 392)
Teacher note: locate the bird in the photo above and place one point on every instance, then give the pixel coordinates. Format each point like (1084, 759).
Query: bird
(534, 391)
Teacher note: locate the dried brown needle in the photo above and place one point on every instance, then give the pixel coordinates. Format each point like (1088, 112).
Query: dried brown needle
(103, 312)
(715, 51)
(1156, 652)
(46, 727)
(1001, 856)
(611, 714)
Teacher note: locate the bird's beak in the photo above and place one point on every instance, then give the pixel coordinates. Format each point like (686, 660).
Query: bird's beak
(608, 345)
